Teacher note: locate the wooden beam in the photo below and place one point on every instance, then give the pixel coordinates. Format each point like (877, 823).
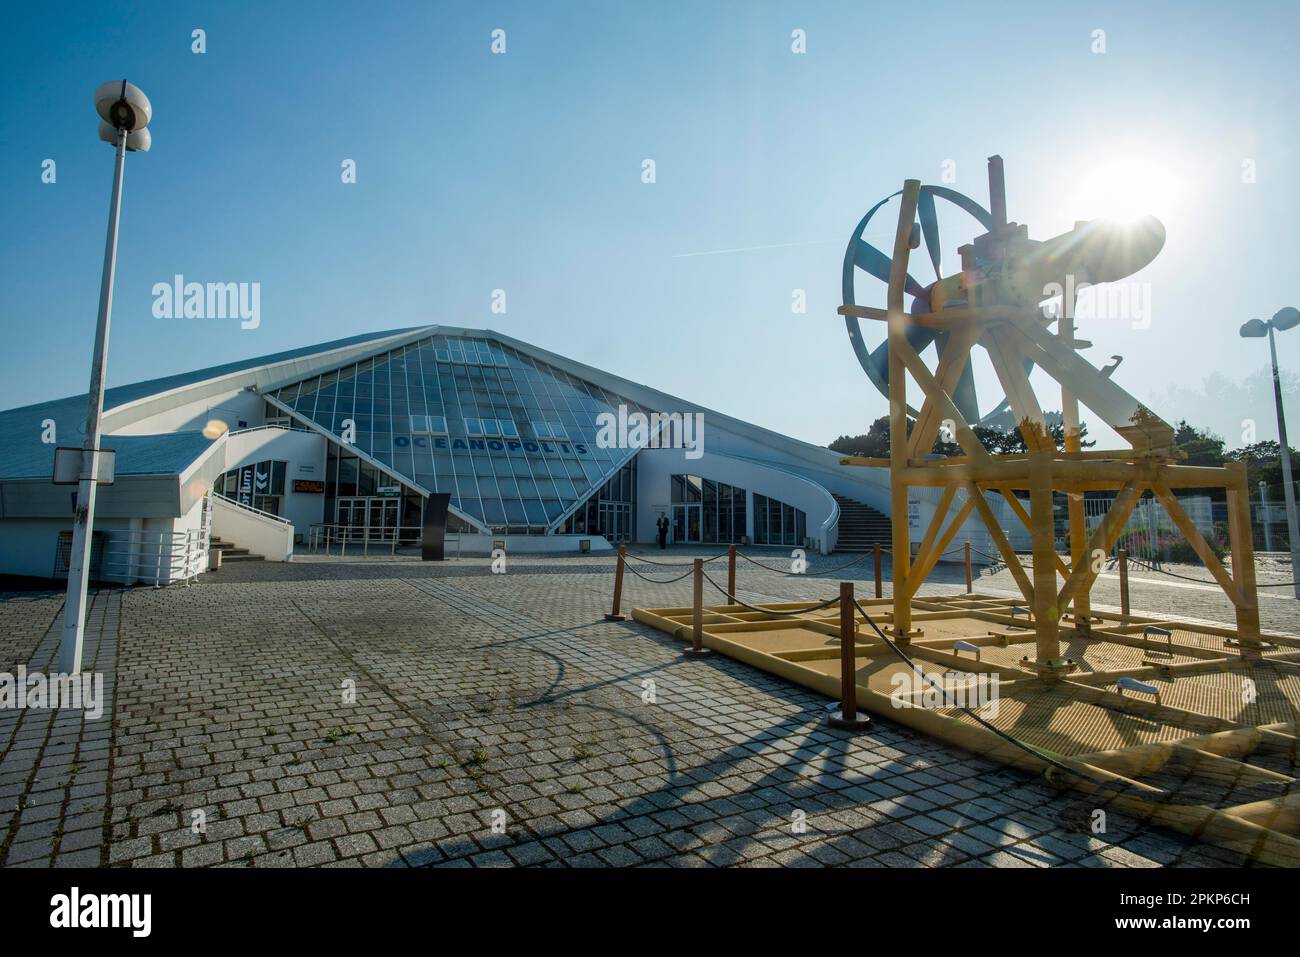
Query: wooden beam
(966, 438)
(1198, 543)
(922, 571)
(931, 532)
(1025, 520)
(953, 359)
(1000, 539)
(900, 559)
(1008, 364)
(1112, 524)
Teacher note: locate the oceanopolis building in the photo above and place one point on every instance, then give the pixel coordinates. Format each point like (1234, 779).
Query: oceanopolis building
(342, 443)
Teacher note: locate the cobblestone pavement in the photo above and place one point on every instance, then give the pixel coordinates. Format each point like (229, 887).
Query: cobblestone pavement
(385, 712)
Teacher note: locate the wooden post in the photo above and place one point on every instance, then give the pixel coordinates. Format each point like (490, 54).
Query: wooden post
(848, 718)
(615, 614)
(697, 619)
(1046, 624)
(880, 591)
(1074, 443)
(900, 560)
(1243, 560)
(970, 584)
(731, 573)
(1123, 582)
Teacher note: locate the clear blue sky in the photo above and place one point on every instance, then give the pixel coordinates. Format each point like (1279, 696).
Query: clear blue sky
(522, 172)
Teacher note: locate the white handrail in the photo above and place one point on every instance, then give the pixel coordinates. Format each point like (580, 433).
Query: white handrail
(249, 508)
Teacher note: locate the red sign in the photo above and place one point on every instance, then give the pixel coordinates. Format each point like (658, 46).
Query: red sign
(308, 485)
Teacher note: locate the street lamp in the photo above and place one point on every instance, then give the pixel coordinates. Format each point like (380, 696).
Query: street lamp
(124, 113)
(1282, 320)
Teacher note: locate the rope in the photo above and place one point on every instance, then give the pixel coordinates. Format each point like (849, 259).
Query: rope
(968, 711)
(656, 581)
(651, 561)
(767, 611)
(1202, 581)
(820, 571)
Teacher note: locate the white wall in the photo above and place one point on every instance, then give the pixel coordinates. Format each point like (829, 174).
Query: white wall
(655, 467)
(305, 454)
(260, 534)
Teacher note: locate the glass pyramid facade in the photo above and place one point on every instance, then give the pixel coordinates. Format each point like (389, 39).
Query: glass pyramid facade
(512, 439)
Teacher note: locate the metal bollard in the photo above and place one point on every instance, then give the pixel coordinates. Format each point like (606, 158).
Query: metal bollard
(618, 587)
(697, 625)
(848, 719)
(970, 586)
(880, 590)
(731, 573)
(1123, 582)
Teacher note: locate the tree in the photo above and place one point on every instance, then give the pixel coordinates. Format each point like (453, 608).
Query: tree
(1201, 446)
(875, 443)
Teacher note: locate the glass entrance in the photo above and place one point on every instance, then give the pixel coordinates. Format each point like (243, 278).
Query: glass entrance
(368, 518)
(686, 523)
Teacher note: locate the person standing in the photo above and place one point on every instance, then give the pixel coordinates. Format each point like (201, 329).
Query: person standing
(662, 526)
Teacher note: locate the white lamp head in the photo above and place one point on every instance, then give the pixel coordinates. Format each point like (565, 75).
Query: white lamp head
(137, 142)
(123, 106)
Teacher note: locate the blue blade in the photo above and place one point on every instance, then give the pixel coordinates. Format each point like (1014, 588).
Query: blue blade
(870, 259)
(930, 230)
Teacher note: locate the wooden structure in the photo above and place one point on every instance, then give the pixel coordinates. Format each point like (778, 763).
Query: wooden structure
(995, 302)
(1190, 724)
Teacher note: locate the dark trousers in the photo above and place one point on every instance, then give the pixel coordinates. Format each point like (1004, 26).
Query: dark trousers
(663, 538)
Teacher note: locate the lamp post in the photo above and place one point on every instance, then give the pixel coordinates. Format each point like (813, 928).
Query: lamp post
(1266, 514)
(1284, 319)
(124, 117)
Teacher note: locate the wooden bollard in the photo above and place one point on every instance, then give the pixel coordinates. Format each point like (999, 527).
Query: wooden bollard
(880, 588)
(731, 573)
(1123, 582)
(696, 646)
(618, 587)
(848, 718)
(970, 586)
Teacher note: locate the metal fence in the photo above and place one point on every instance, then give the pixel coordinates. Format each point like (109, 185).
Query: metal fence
(335, 539)
(1149, 534)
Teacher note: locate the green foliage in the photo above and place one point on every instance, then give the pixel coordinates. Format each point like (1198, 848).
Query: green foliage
(1201, 446)
(875, 443)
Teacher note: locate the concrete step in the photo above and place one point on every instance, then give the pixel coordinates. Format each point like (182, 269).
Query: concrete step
(230, 552)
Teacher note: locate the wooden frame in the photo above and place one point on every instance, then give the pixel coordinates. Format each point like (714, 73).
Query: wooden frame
(1013, 335)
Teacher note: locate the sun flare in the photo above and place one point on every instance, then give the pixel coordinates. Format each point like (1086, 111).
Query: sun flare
(1126, 189)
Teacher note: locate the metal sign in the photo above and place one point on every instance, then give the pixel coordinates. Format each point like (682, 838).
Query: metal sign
(67, 466)
(388, 491)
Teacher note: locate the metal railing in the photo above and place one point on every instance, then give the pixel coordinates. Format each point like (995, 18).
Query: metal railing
(248, 508)
(156, 558)
(323, 536)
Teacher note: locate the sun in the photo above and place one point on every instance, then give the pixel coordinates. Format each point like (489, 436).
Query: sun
(1126, 189)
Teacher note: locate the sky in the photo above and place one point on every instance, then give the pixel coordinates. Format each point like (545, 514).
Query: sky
(524, 171)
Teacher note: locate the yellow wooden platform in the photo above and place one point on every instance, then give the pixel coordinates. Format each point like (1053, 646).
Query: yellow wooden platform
(1215, 757)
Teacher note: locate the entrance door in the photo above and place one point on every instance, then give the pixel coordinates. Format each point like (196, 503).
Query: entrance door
(686, 523)
(381, 519)
(368, 518)
(352, 519)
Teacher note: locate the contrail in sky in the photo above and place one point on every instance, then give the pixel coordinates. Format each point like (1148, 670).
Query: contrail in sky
(747, 249)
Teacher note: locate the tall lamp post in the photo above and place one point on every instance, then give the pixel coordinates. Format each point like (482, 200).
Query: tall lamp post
(1282, 320)
(124, 117)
